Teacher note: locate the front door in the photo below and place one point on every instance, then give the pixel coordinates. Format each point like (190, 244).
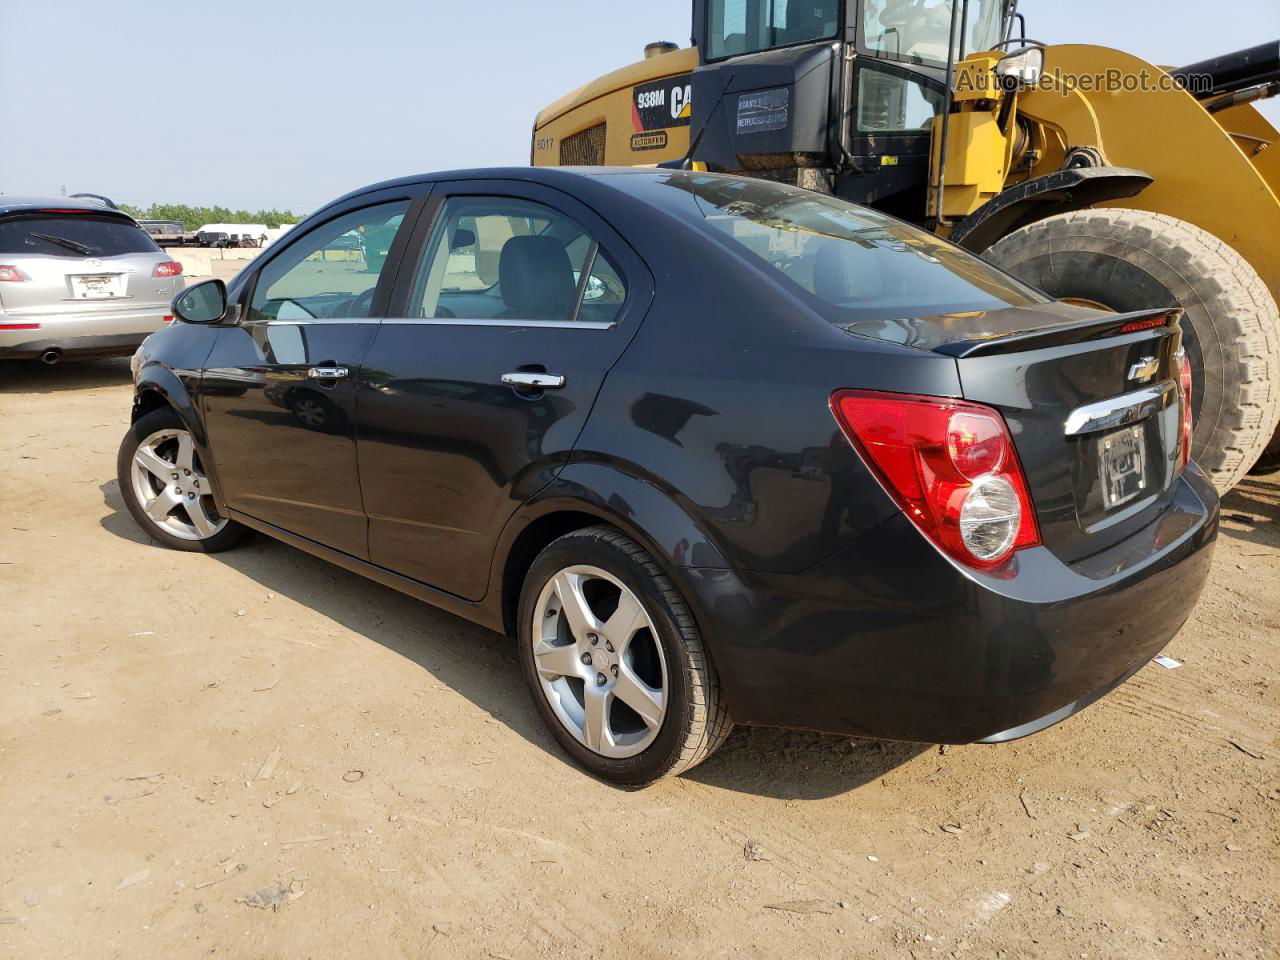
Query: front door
(521, 301)
(279, 389)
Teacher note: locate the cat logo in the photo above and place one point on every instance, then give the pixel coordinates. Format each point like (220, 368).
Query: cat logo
(661, 104)
(682, 102)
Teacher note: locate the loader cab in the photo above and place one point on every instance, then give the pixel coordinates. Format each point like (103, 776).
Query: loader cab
(837, 95)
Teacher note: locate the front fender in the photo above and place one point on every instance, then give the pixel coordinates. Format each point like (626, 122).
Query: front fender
(1032, 200)
(155, 379)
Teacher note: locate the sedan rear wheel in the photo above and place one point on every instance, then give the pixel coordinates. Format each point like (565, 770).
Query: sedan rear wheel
(600, 668)
(165, 487)
(615, 662)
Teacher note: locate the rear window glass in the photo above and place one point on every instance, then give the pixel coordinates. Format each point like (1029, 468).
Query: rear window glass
(73, 235)
(861, 264)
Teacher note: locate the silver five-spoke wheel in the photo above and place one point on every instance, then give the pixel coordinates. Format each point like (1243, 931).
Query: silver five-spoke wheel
(599, 663)
(171, 487)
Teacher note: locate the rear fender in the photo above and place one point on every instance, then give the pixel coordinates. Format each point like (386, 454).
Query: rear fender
(650, 516)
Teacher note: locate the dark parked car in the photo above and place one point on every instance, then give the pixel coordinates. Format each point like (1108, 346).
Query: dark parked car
(710, 447)
(213, 238)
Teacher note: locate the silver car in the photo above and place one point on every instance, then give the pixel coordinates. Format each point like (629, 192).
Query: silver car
(78, 278)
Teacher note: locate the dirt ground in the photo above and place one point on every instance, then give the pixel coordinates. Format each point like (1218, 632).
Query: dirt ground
(182, 736)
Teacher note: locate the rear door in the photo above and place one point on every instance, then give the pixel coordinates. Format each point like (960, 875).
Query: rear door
(521, 301)
(279, 389)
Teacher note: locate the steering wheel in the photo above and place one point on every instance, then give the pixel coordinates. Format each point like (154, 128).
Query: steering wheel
(357, 306)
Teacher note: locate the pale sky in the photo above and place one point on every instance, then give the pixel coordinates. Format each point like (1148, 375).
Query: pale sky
(262, 103)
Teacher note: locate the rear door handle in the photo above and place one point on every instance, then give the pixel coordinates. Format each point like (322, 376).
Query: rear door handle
(328, 373)
(537, 381)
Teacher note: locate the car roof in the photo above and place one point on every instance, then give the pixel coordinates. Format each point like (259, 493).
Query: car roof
(562, 177)
(10, 204)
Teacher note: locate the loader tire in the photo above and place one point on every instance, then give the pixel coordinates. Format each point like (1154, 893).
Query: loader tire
(1269, 462)
(1134, 260)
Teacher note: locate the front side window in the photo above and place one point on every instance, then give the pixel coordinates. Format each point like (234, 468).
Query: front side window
(73, 235)
(746, 26)
(860, 264)
(331, 272)
(502, 258)
(915, 31)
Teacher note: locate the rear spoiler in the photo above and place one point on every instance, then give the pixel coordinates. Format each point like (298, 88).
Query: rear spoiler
(1014, 340)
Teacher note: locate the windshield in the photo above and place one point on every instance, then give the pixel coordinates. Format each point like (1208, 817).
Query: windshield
(916, 30)
(865, 267)
(746, 26)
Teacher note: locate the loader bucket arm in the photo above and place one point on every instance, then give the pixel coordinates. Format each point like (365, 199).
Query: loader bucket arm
(1201, 173)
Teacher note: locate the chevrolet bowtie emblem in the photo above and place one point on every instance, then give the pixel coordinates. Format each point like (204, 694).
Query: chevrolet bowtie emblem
(1144, 369)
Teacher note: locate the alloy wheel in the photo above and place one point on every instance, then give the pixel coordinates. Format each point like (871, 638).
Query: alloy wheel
(171, 487)
(599, 661)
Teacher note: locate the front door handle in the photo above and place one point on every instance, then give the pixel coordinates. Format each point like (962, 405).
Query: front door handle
(537, 381)
(328, 373)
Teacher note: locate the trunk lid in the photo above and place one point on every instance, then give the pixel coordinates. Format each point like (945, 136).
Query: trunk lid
(57, 285)
(1092, 402)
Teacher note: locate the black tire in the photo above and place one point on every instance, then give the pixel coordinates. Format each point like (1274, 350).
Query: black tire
(1269, 462)
(145, 426)
(696, 722)
(1135, 260)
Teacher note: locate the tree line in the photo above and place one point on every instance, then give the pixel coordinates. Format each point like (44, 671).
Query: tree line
(194, 217)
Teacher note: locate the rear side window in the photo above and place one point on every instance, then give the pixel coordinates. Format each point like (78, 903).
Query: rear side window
(73, 235)
(504, 258)
(861, 264)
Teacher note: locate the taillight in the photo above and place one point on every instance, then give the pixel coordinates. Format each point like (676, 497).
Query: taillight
(11, 274)
(170, 268)
(950, 465)
(1184, 383)
(19, 326)
(168, 319)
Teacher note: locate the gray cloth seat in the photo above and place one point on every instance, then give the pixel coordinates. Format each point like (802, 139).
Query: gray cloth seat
(536, 279)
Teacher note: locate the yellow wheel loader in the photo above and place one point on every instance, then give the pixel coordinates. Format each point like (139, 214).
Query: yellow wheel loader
(1095, 176)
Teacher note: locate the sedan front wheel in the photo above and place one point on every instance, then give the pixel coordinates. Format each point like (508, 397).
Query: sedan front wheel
(165, 487)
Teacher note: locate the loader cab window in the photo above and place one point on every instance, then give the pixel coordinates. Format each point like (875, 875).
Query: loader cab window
(915, 31)
(892, 102)
(735, 27)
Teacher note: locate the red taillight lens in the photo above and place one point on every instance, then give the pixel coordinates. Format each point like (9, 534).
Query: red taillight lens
(170, 268)
(168, 319)
(11, 274)
(19, 326)
(1184, 382)
(977, 443)
(950, 465)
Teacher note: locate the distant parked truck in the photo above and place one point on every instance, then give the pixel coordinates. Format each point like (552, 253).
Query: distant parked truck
(168, 233)
(238, 234)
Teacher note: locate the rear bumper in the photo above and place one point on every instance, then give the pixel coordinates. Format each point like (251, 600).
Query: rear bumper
(888, 639)
(116, 333)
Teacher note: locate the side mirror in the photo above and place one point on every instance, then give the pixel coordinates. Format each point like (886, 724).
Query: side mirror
(205, 302)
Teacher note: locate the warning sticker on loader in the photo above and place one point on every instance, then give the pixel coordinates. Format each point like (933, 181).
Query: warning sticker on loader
(662, 103)
(763, 111)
